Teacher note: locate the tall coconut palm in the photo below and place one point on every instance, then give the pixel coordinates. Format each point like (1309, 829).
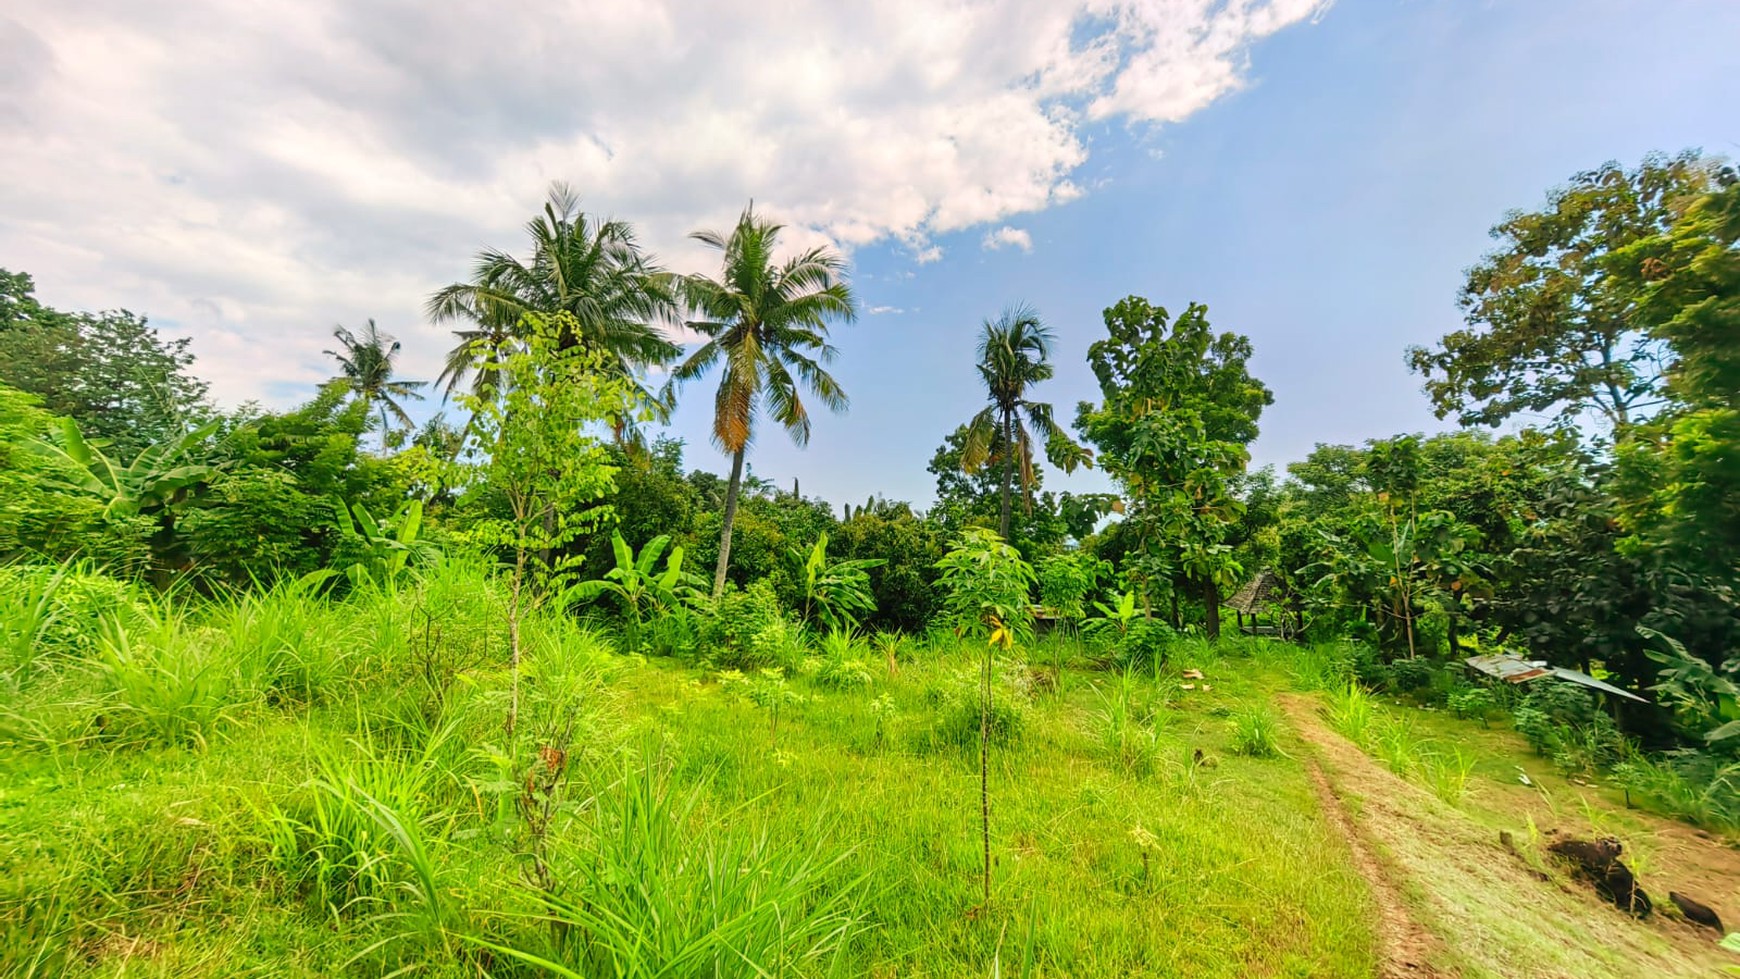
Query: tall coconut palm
(366, 366)
(768, 322)
(1014, 356)
(579, 264)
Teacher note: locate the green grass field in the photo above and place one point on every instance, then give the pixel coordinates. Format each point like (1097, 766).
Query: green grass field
(290, 786)
(285, 785)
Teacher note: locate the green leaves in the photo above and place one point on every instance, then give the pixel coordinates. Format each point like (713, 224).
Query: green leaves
(1551, 328)
(159, 478)
(533, 440)
(839, 592)
(988, 587)
(634, 582)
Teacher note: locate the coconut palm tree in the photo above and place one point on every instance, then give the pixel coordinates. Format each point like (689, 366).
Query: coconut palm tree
(365, 363)
(579, 264)
(1014, 356)
(768, 323)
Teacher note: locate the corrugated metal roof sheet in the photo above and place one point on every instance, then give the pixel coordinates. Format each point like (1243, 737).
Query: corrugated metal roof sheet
(1515, 669)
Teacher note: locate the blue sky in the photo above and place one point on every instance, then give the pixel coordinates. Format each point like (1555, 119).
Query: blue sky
(1317, 173)
(1326, 212)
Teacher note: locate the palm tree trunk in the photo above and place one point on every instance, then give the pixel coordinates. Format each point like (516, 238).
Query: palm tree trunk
(1008, 477)
(730, 517)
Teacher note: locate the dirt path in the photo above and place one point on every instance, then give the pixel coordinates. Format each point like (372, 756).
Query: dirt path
(1453, 900)
(1404, 945)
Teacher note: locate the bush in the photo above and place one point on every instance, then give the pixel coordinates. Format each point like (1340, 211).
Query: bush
(842, 665)
(1143, 647)
(749, 631)
(956, 700)
(1476, 702)
(1409, 675)
(676, 632)
(1254, 732)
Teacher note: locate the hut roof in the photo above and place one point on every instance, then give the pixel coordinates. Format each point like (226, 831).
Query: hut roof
(1257, 594)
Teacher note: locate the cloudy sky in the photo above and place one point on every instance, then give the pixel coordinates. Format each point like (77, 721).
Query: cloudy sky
(251, 174)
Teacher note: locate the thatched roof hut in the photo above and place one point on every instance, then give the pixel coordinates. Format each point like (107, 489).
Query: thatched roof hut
(1258, 594)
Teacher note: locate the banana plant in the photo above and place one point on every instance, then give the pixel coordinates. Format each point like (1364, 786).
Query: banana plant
(158, 484)
(158, 479)
(1118, 616)
(634, 583)
(838, 592)
(1706, 701)
(389, 544)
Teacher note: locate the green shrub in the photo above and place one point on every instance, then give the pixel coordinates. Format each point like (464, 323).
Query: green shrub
(1409, 675)
(749, 631)
(1144, 646)
(956, 701)
(1475, 702)
(842, 664)
(675, 632)
(1254, 731)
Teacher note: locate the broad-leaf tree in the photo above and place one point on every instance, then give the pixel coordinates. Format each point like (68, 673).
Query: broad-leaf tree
(366, 369)
(988, 589)
(538, 460)
(124, 382)
(1015, 357)
(1178, 408)
(766, 324)
(1550, 329)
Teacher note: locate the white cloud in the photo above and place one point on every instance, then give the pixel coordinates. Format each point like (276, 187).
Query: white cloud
(884, 310)
(1007, 237)
(254, 173)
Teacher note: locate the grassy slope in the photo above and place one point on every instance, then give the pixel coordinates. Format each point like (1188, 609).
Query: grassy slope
(1488, 903)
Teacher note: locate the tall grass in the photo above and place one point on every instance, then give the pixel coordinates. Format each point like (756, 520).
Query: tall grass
(358, 830)
(1124, 738)
(161, 683)
(1352, 713)
(28, 610)
(1254, 732)
(285, 642)
(661, 887)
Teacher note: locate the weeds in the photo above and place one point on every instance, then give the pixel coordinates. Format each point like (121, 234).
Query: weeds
(1124, 739)
(1254, 731)
(661, 889)
(1351, 713)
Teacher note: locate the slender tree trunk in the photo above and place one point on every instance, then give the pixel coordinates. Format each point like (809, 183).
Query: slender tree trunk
(1008, 478)
(985, 773)
(513, 717)
(1177, 617)
(730, 518)
(1211, 608)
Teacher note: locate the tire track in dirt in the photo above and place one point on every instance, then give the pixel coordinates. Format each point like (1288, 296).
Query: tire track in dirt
(1405, 946)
